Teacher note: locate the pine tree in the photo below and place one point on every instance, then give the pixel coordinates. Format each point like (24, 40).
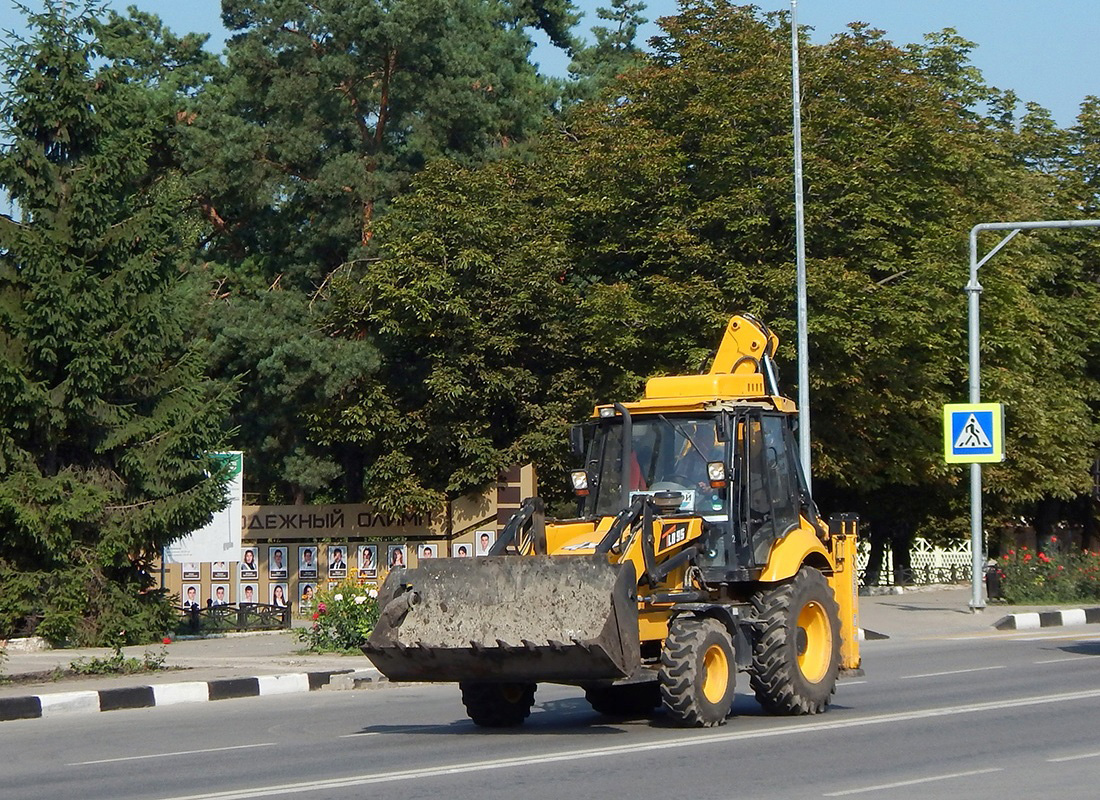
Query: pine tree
(615, 50)
(108, 415)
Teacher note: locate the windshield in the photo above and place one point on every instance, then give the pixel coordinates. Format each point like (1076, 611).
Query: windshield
(670, 452)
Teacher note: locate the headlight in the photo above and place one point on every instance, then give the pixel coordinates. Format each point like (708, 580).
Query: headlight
(580, 482)
(716, 472)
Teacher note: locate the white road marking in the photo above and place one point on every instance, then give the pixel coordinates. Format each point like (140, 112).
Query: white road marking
(632, 749)
(1073, 758)
(914, 782)
(1067, 658)
(951, 672)
(849, 683)
(169, 755)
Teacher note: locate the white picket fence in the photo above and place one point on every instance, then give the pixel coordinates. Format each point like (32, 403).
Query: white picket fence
(928, 564)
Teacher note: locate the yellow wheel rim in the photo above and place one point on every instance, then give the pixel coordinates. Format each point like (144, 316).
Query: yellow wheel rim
(815, 642)
(512, 694)
(716, 674)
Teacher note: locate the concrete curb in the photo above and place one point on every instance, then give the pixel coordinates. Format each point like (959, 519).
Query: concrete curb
(1047, 619)
(165, 694)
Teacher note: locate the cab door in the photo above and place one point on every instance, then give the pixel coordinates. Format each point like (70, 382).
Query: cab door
(768, 482)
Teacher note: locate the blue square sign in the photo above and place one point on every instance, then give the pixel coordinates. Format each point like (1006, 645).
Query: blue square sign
(973, 432)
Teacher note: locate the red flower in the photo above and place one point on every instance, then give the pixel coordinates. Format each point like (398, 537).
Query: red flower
(1044, 558)
(1027, 557)
(316, 616)
(321, 608)
(1012, 552)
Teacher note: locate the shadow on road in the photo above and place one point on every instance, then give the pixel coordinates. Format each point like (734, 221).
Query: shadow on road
(1082, 648)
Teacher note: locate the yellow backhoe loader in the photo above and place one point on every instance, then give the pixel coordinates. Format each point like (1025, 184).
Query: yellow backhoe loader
(697, 553)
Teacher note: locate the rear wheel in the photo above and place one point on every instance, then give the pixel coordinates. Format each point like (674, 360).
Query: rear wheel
(697, 672)
(796, 657)
(498, 705)
(626, 700)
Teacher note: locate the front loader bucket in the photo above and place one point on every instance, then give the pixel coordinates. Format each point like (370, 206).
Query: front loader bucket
(565, 619)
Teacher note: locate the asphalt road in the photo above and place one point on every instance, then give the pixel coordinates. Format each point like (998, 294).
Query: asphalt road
(984, 716)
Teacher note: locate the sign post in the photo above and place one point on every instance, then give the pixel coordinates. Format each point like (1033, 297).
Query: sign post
(973, 291)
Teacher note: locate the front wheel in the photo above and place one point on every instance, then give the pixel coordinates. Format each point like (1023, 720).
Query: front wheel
(796, 655)
(697, 672)
(498, 705)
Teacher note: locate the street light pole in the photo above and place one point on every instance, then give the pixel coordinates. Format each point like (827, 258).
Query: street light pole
(800, 261)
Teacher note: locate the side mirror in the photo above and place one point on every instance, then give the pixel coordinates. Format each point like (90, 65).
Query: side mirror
(722, 429)
(576, 440)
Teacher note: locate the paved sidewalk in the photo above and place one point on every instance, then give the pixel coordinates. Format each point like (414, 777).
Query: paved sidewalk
(922, 612)
(232, 656)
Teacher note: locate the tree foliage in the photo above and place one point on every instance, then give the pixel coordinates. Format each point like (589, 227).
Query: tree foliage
(108, 416)
(674, 203)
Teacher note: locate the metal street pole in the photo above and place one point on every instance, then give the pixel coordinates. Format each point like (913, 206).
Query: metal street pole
(800, 261)
(974, 290)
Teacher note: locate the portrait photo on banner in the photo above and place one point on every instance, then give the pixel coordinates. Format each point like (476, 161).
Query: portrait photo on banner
(484, 540)
(305, 598)
(191, 597)
(278, 595)
(307, 562)
(368, 560)
(219, 594)
(276, 562)
(248, 563)
(337, 561)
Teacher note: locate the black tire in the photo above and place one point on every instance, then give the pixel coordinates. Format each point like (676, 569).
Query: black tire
(698, 672)
(628, 701)
(498, 705)
(796, 655)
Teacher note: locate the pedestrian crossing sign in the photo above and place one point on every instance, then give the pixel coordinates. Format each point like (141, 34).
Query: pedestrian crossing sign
(973, 433)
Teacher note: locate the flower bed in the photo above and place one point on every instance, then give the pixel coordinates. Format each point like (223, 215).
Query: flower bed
(342, 619)
(1028, 577)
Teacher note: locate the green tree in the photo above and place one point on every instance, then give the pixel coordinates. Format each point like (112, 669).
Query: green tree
(468, 305)
(614, 50)
(326, 109)
(108, 413)
(321, 116)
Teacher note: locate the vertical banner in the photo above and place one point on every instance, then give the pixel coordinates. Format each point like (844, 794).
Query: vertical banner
(220, 540)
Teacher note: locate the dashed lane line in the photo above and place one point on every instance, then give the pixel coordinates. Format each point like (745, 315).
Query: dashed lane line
(169, 755)
(1073, 758)
(914, 782)
(950, 672)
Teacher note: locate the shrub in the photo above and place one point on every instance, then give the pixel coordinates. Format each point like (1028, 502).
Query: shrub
(1029, 577)
(342, 619)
